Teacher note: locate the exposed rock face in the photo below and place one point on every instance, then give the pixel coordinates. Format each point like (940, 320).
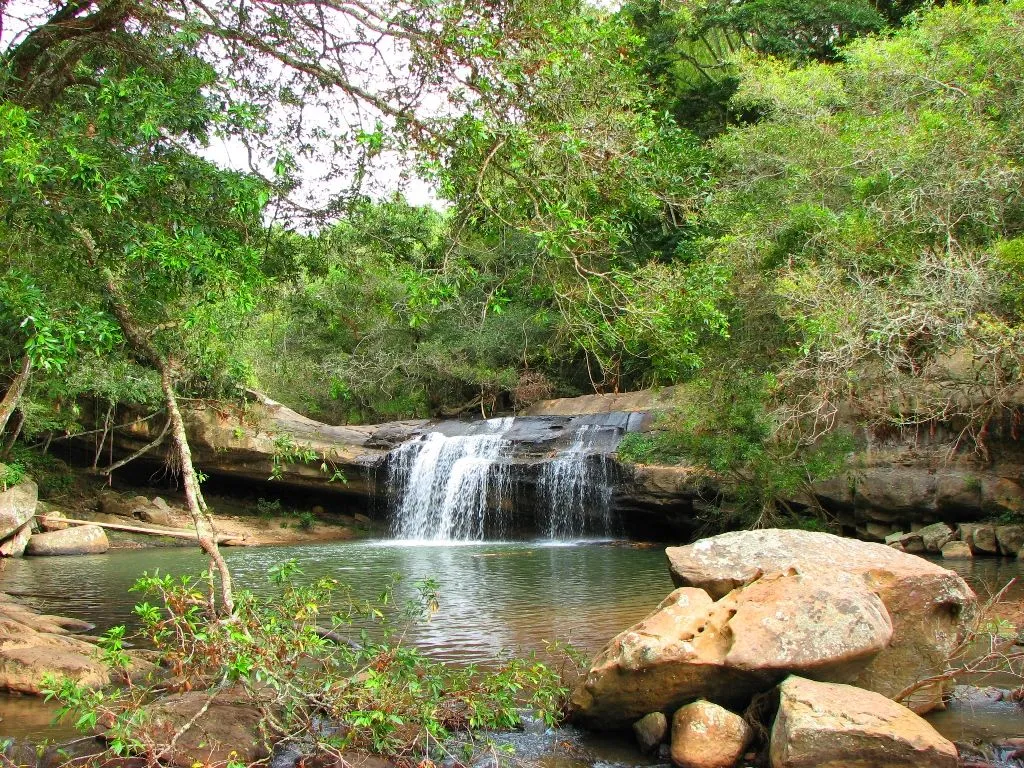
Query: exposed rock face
(980, 538)
(705, 735)
(650, 731)
(728, 650)
(17, 505)
(33, 646)
(50, 518)
(1011, 539)
(14, 545)
(77, 540)
(229, 725)
(925, 602)
(827, 725)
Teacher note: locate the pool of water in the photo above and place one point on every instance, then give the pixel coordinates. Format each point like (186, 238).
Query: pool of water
(493, 597)
(513, 596)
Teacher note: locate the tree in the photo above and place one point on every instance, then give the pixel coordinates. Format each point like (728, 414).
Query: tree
(126, 241)
(869, 220)
(690, 51)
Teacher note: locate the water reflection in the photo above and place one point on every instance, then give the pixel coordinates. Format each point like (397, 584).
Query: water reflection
(493, 596)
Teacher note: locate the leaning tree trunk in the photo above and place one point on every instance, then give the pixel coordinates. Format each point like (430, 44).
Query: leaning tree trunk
(143, 347)
(193, 495)
(15, 391)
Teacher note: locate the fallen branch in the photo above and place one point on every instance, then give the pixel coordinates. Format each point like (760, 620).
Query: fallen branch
(172, 533)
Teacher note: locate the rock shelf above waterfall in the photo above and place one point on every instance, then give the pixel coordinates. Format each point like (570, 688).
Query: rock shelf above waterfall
(896, 484)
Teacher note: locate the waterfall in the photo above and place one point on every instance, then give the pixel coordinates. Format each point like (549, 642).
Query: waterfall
(446, 485)
(575, 487)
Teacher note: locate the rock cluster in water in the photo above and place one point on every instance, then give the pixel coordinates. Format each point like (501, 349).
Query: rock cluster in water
(823, 631)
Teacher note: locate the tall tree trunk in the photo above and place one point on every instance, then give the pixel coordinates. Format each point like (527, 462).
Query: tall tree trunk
(201, 519)
(12, 437)
(15, 391)
(205, 531)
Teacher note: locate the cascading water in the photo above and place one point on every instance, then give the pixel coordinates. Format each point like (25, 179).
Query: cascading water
(575, 487)
(446, 486)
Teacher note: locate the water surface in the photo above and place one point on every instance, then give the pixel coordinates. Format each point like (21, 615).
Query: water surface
(493, 596)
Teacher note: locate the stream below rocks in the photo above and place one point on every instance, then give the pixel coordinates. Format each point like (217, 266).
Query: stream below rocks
(494, 597)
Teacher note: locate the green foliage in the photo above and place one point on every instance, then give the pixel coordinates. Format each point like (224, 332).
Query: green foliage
(316, 653)
(689, 51)
(11, 473)
(860, 216)
(53, 476)
(726, 427)
(288, 452)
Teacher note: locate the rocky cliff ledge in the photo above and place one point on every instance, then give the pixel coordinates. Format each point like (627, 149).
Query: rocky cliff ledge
(897, 482)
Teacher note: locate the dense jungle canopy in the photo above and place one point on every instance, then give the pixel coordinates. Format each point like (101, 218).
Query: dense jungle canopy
(807, 212)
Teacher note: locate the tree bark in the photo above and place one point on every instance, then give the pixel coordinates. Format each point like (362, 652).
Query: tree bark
(144, 349)
(15, 391)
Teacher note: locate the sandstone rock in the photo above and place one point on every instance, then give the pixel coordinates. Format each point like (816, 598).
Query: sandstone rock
(28, 653)
(14, 545)
(925, 602)
(705, 735)
(956, 492)
(155, 512)
(827, 725)
(113, 503)
(229, 725)
(895, 489)
(650, 731)
(361, 518)
(936, 536)
(877, 531)
(155, 516)
(895, 538)
(1010, 538)
(1002, 495)
(17, 505)
(79, 540)
(979, 537)
(50, 518)
(726, 651)
(957, 550)
(912, 542)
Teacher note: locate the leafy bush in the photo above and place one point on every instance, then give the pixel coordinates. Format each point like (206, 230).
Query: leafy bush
(11, 474)
(726, 426)
(315, 655)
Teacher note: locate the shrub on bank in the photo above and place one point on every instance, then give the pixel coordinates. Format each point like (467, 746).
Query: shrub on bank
(323, 669)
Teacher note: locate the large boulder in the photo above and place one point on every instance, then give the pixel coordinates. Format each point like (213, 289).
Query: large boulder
(14, 545)
(981, 538)
(1011, 539)
(936, 536)
(34, 646)
(50, 518)
(705, 735)
(957, 550)
(827, 725)
(926, 603)
(650, 731)
(17, 505)
(79, 540)
(727, 650)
